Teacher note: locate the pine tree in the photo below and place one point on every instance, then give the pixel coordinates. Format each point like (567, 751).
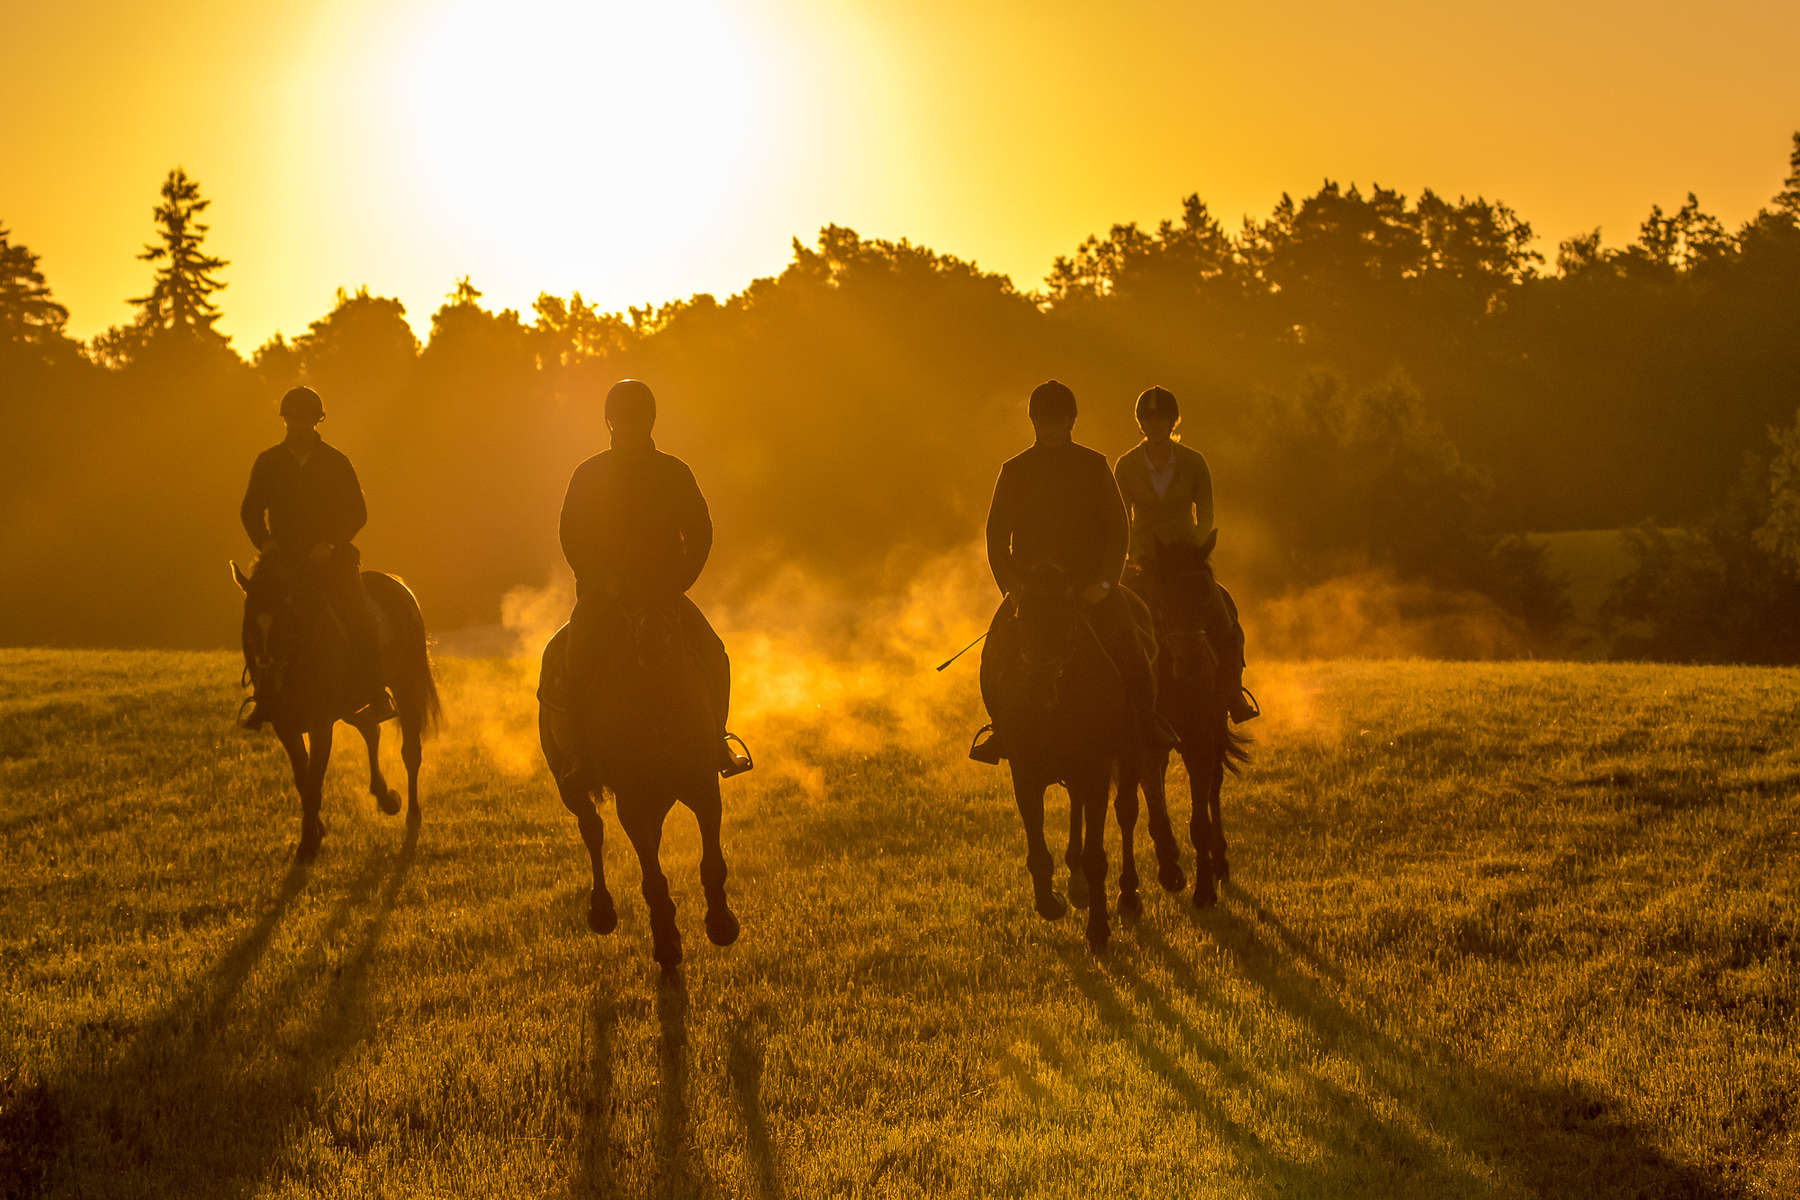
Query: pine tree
(181, 300)
(27, 313)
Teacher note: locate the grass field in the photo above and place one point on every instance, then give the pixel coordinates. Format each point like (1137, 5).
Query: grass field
(1494, 930)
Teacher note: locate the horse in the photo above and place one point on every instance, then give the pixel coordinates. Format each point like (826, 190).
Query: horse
(644, 730)
(1190, 699)
(1059, 704)
(300, 659)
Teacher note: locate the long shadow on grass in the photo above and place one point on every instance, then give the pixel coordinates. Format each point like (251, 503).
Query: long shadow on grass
(594, 1145)
(745, 1063)
(1550, 1140)
(205, 1097)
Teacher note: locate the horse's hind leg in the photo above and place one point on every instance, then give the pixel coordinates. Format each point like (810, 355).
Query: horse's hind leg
(1078, 889)
(602, 916)
(1125, 805)
(643, 821)
(1221, 867)
(721, 924)
(1029, 793)
(412, 727)
(386, 798)
(1089, 793)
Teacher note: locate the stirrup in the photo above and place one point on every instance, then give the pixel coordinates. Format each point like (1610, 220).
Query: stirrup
(255, 718)
(1246, 696)
(736, 761)
(990, 751)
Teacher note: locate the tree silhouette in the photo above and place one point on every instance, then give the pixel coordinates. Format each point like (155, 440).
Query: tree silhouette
(180, 300)
(28, 316)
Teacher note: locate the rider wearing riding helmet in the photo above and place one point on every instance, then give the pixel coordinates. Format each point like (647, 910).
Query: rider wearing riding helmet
(1167, 489)
(636, 531)
(1055, 504)
(301, 508)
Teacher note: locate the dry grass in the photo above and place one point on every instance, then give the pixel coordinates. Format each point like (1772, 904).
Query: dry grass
(1504, 930)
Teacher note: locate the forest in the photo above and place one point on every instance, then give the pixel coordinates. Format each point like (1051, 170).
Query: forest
(1390, 389)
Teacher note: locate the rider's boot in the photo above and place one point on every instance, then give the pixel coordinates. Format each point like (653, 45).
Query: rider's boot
(379, 708)
(991, 751)
(255, 718)
(1240, 705)
(734, 759)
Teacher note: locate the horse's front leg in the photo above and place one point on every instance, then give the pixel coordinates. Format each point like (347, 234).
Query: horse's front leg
(642, 817)
(294, 742)
(1203, 771)
(312, 791)
(1221, 867)
(602, 916)
(386, 798)
(704, 800)
(1028, 791)
(1125, 805)
(1162, 832)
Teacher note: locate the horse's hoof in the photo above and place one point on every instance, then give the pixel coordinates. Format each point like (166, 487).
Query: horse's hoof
(310, 837)
(602, 917)
(667, 952)
(1097, 934)
(1171, 876)
(1130, 905)
(1205, 897)
(1078, 889)
(389, 803)
(1050, 906)
(721, 926)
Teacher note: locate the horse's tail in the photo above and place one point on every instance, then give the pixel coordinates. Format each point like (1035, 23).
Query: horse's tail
(415, 684)
(1236, 749)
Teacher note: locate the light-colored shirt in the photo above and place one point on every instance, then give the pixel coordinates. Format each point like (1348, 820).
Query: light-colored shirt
(1180, 510)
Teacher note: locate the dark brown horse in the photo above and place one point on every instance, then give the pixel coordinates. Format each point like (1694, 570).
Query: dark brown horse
(644, 730)
(1059, 705)
(1190, 699)
(300, 657)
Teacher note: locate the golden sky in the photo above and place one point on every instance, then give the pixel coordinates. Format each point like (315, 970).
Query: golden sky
(643, 152)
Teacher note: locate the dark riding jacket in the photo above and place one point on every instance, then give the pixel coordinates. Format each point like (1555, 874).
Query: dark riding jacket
(301, 505)
(1057, 504)
(634, 523)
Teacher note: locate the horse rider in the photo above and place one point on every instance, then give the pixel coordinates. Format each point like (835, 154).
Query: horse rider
(301, 508)
(636, 531)
(1168, 492)
(1057, 503)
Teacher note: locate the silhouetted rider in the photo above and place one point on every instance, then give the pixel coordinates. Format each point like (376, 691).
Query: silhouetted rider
(301, 508)
(1168, 491)
(636, 531)
(1057, 503)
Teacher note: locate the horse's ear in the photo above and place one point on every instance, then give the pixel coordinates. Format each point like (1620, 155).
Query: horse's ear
(1206, 547)
(237, 573)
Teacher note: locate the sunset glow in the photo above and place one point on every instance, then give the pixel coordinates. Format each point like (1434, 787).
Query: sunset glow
(643, 152)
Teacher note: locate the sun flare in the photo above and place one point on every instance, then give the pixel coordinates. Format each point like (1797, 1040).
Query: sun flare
(589, 138)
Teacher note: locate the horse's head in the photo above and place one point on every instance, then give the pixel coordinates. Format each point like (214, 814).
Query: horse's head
(1048, 615)
(270, 625)
(1179, 580)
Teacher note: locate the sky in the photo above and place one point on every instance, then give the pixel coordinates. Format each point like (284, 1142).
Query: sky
(643, 152)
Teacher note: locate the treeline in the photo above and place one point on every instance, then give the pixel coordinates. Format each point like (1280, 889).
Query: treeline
(1381, 384)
